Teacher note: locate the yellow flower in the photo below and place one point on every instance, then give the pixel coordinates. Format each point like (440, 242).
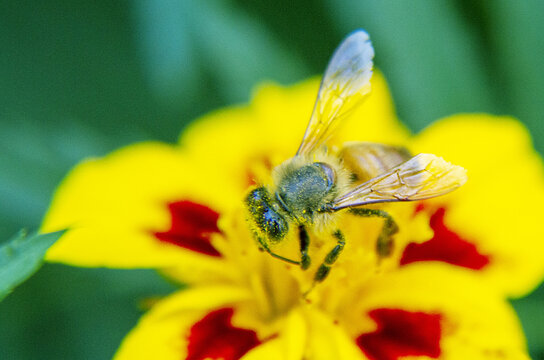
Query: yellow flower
(179, 208)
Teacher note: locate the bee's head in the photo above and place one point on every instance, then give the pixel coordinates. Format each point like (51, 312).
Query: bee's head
(265, 215)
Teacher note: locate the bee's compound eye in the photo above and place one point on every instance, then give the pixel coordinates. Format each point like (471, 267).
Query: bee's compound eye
(329, 173)
(270, 222)
(257, 197)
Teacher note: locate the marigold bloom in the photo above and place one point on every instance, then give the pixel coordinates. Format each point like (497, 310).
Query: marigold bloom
(178, 208)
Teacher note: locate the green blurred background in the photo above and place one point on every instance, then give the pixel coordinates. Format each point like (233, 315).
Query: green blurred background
(81, 78)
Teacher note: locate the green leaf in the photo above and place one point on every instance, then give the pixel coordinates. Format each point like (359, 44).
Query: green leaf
(21, 257)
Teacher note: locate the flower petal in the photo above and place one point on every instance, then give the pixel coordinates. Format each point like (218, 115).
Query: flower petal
(216, 322)
(498, 210)
(289, 344)
(328, 340)
(306, 333)
(445, 245)
(190, 228)
(270, 350)
(214, 337)
(433, 310)
(132, 209)
(186, 325)
(402, 333)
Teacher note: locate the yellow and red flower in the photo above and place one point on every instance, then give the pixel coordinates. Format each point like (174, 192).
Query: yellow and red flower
(178, 208)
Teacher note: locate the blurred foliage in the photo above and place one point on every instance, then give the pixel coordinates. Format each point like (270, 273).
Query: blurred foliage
(81, 78)
(21, 257)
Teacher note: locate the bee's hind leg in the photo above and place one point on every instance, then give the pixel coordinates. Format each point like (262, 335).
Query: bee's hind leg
(384, 244)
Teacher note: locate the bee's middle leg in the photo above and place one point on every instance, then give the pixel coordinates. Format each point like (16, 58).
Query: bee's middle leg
(324, 269)
(384, 245)
(304, 239)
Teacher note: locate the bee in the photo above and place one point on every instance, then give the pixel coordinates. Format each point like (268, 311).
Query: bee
(309, 189)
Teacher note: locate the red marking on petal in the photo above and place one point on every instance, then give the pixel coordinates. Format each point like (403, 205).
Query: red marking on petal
(251, 179)
(446, 246)
(401, 333)
(254, 165)
(419, 208)
(214, 337)
(191, 227)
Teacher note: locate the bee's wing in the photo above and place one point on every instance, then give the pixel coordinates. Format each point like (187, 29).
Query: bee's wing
(345, 83)
(423, 176)
(367, 160)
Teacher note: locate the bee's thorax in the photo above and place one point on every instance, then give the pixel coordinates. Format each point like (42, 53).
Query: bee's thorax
(303, 190)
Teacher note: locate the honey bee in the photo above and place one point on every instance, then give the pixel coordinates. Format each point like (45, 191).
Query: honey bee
(309, 189)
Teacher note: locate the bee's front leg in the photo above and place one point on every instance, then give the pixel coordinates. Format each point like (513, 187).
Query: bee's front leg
(263, 246)
(384, 245)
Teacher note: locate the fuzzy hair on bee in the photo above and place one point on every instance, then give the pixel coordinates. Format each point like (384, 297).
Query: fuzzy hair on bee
(312, 200)
(310, 190)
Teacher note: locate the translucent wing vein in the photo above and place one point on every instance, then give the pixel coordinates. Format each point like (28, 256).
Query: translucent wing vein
(345, 83)
(423, 176)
